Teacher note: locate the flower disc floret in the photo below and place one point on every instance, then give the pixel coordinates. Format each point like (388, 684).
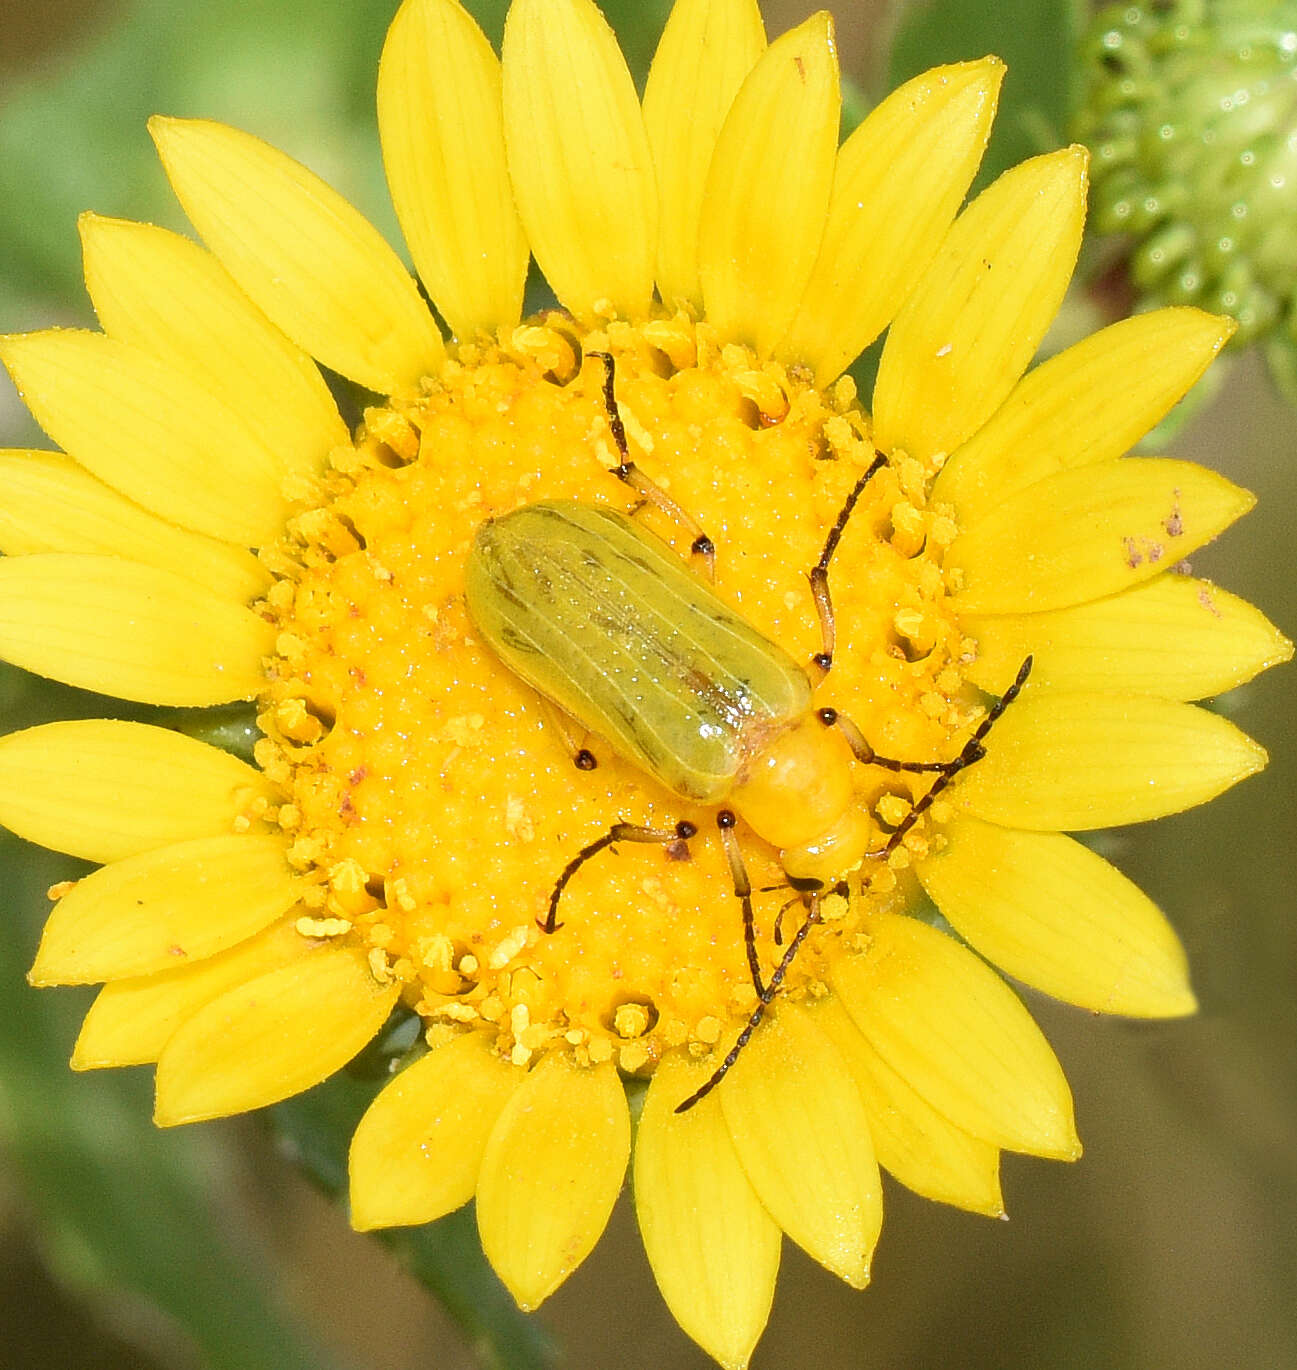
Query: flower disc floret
(432, 797)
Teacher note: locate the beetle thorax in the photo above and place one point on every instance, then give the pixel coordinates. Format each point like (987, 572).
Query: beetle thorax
(799, 785)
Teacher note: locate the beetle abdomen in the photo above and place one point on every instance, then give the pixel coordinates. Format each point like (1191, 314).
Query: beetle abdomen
(605, 620)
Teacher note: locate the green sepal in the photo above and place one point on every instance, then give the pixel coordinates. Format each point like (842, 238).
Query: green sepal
(231, 727)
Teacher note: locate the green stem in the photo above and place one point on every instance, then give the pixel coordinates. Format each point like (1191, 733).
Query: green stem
(445, 1256)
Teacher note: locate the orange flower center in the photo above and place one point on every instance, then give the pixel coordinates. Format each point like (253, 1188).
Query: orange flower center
(433, 794)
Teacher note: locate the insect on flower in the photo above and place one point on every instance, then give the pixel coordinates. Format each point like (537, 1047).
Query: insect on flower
(606, 621)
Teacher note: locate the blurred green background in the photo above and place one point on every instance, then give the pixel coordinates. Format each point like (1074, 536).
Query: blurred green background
(1173, 1243)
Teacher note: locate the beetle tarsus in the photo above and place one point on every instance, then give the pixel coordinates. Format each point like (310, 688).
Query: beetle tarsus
(551, 924)
(779, 917)
(619, 832)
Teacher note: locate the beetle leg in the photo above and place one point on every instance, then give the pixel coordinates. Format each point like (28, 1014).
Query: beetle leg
(973, 750)
(653, 494)
(810, 886)
(725, 821)
(763, 1003)
(865, 754)
(573, 737)
(779, 918)
(619, 832)
(819, 574)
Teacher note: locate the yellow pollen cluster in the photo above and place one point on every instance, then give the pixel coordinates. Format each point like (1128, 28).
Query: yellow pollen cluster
(431, 796)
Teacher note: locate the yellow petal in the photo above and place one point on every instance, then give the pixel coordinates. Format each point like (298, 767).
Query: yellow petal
(1088, 404)
(899, 181)
(320, 272)
(801, 1133)
(579, 156)
(1172, 636)
(131, 1021)
(164, 909)
(166, 295)
(553, 1168)
(103, 790)
(706, 50)
(128, 630)
(1059, 760)
(151, 431)
(440, 117)
(767, 192)
(271, 1037)
(1090, 532)
(417, 1151)
(954, 1031)
(1056, 916)
(713, 1247)
(974, 321)
(50, 504)
(922, 1148)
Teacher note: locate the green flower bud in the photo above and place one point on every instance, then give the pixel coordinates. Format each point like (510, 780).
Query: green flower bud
(1190, 112)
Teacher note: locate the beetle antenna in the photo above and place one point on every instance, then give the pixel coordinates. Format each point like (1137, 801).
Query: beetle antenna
(619, 832)
(819, 575)
(758, 1013)
(973, 750)
(631, 475)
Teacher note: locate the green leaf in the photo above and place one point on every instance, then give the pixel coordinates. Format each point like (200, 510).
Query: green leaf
(127, 1209)
(855, 105)
(638, 24)
(122, 1208)
(490, 14)
(1281, 358)
(1037, 40)
(123, 1212)
(299, 73)
(446, 1256)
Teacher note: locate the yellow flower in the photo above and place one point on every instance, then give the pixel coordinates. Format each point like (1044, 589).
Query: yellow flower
(414, 804)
